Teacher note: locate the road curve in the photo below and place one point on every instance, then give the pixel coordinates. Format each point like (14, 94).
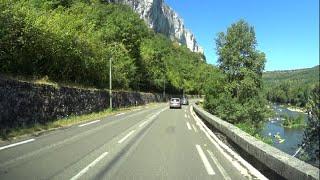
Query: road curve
(149, 143)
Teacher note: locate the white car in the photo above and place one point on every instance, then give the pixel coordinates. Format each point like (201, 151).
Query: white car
(175, 103)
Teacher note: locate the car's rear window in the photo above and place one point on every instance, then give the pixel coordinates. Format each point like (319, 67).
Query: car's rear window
(175, 99)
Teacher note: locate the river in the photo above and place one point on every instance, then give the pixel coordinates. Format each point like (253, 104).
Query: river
(291, 137)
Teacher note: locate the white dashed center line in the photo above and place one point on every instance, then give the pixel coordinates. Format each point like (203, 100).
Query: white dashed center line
(93, 163)
(142, 124)
(124, 138)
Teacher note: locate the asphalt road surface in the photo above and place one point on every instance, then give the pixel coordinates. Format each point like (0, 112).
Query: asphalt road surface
(152, 142)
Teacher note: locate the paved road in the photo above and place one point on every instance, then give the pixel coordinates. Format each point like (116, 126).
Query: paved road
(149, 143)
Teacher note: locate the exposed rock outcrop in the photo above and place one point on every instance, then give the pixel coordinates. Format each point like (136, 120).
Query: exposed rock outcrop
(163, 19)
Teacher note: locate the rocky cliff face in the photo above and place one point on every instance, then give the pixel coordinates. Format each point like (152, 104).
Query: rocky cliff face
(163, 19)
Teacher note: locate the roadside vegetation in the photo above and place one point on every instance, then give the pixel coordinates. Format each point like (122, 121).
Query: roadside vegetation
(236, 95)
(311, 139)
(71, 42)
(293, 122)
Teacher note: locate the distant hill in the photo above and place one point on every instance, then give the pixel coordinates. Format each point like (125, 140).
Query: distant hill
(290, 86)
(301, 76)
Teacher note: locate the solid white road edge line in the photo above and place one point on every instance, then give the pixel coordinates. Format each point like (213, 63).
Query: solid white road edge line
(16, 144)
(93, 163)
(219, 144)
(221, 169)
(120, 114)
(124, 138)
(81, 125)
(188, 125)
(205, 160)
(236, 164)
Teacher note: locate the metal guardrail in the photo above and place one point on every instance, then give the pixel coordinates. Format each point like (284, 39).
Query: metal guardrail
(283, 164)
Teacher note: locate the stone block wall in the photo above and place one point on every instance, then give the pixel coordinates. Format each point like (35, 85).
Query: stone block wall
(24, 103)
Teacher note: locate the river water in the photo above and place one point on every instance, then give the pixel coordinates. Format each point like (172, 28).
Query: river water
(291, 137)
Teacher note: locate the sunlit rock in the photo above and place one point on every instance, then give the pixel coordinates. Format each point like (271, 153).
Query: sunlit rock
(163, 19)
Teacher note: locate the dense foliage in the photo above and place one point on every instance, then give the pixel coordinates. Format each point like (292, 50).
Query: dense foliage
(311, 138)
(73, 41)
(292, 86)
(236, 95)
(293, 122)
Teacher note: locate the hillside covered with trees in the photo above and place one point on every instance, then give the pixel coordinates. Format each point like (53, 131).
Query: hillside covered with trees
(291, 86)
(73, 41)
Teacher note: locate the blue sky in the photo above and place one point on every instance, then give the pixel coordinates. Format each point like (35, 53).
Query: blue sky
(286, 30)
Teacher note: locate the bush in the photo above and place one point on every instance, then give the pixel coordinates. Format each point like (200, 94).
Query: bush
(293, 122)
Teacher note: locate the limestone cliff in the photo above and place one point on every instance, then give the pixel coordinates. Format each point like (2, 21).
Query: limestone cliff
(163, 19)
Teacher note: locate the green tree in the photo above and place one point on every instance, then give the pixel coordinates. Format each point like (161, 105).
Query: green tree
(310, 143)
(154, 52)
(238, 96)
(240, 60)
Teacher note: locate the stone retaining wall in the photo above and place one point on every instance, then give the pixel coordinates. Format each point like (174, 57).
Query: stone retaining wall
(24, 103)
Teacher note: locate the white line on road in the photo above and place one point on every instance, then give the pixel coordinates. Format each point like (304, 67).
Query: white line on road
(189, 127)
(221, 169)
(89, 123)
(83, 171)
(152, 117)
(142, 124)
(185, 115)
(16, 144)
(205, 160)
(236, 160)
(194, 128)
(124, 138)
(120, 114)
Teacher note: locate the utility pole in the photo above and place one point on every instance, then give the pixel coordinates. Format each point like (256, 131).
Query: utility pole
(110, 83)
(164, 88)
